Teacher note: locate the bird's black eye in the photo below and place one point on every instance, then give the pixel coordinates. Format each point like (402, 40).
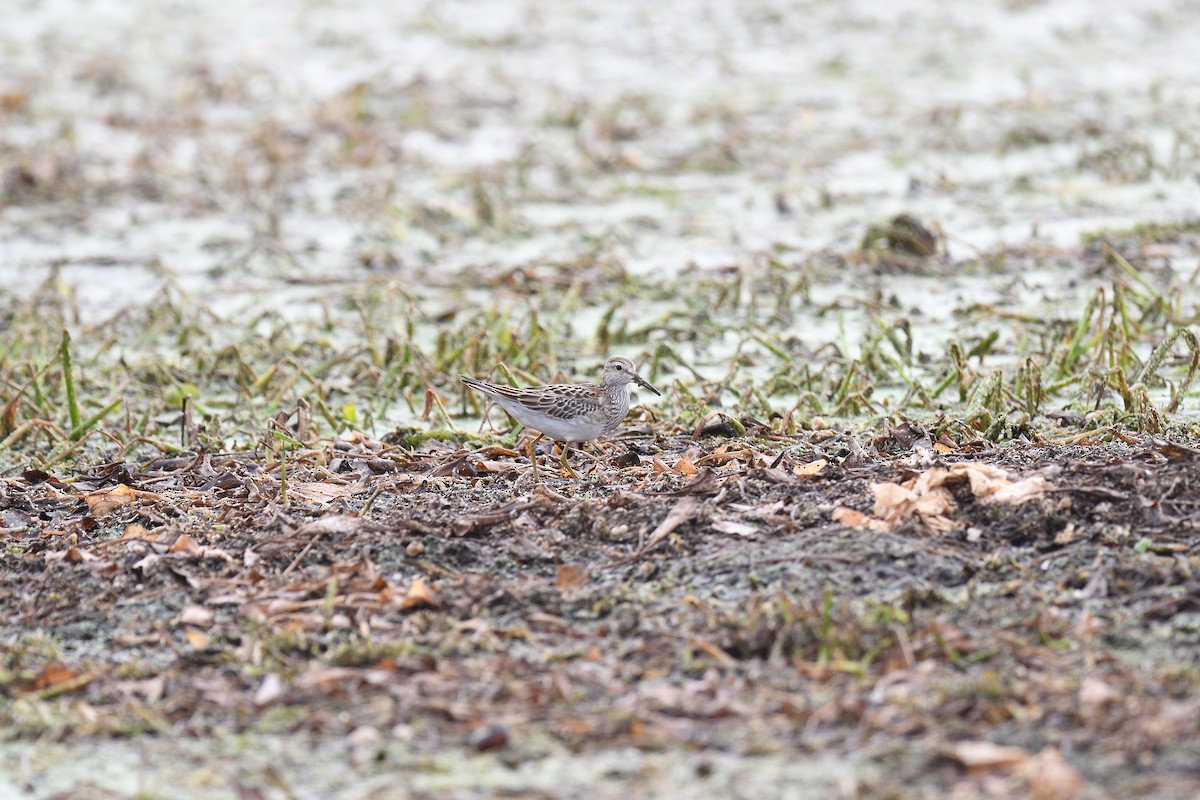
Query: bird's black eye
(618, 366)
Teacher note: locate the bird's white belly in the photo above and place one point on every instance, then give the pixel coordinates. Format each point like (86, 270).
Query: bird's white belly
(573, 430)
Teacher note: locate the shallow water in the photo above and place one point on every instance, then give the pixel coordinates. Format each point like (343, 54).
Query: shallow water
(976, 117)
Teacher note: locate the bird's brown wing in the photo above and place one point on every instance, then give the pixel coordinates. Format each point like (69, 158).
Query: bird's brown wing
(559, 400)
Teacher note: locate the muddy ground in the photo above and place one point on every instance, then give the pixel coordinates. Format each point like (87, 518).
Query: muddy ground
(418, 616)
(914, 515)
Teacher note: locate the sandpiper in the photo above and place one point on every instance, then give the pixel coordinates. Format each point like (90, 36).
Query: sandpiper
(569, 412)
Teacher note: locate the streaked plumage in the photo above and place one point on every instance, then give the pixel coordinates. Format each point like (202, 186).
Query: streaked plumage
(569, 412)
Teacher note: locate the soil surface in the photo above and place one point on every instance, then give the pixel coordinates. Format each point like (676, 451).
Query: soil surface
(914, 516)
(700, 602)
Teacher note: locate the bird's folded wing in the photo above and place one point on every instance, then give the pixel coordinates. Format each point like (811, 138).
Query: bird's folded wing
(562, 401)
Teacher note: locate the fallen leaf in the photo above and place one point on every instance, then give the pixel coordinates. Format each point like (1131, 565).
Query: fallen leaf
(185, 544)
(713, 651)
(686, 463)
(927, 498)
(570, 576)
(324, 492)
(270, 690)
(105, 501)
(705, 482)
(197, 639)
(661, 466)
(679, 514)
(1094, 691)
(419, 595)
(337, 524)
(923, 497)
(1067, 534)
(196, 615)
(983, 756)
(810, 469)
(76, 556)
(856, 519)
(991, 484)
(496, 467)
(733, 527)
(489, 737)
(138, 531)
(1051, 777)
(57, 676)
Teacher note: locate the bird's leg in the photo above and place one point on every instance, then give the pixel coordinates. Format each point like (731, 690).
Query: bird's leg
(532, 452)
(567, 472)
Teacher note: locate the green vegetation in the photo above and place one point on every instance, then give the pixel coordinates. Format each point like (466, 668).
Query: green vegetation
(173, 376)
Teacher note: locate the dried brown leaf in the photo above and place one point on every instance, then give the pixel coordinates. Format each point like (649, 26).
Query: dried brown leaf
(185, 544)
(335, 524)
(571, 576)
(56, 676)
(1051, 777)
(324, 492)
(704, 482)
(687, 462)
(661, 466)
(811, 469)
(104, 501)
(856, 519)
(680, 513)
(138, 531)
(196, 615)
(984, 756)
(924, 497)
(734, 527)
(489, 737)
(991, 484)
(419, 595)
(199, 640)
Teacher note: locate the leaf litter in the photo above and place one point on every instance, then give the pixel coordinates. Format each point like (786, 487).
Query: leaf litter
(805, 551)
(718, 607)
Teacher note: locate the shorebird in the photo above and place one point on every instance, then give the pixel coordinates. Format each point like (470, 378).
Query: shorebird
(569, 412)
